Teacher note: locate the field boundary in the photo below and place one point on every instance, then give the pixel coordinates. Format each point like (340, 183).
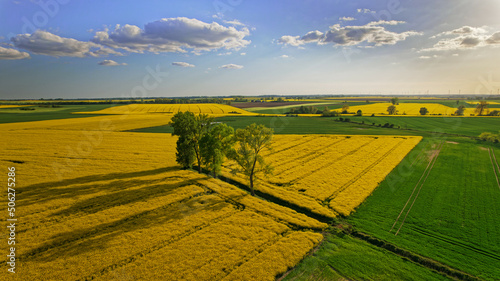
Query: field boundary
(418, 259)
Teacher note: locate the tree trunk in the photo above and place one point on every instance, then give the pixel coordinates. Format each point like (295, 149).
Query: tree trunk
(251, 184)
(199, 166)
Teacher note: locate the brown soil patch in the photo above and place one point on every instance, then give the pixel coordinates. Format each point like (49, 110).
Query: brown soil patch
(483, 148)
(452, 142)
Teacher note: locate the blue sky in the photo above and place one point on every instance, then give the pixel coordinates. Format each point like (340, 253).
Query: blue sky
(99, 49)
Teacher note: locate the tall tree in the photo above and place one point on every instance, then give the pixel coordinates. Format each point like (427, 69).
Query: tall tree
(345, 108)
(190, 128)
(460, 110)
(215, 145)
(481, 107)
(395, 101)
(423, 111)
(251, 142)
(392, 110)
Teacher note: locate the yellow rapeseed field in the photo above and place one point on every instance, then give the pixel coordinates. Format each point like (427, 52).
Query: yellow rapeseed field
(339, 171)
(408, 109)
(98, 203)
(212, 109)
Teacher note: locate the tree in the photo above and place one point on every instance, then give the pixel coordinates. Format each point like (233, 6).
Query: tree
(423, 111)
(215, 145)
(345, 109)
(359, 113)
(482, 106)
(395, 101)
(460, 110)
(392, 110)
(251, 142)
(190, 129)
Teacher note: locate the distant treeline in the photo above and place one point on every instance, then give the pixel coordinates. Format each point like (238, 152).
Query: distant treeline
(145, 101)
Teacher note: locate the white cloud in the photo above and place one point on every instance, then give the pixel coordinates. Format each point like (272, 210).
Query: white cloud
(110, 63)
(454, 55)
(232, 66)
(12, 54)
(225, 54)
(347, 18)
(494, 38)
(312, 36)
(233, 22)
(365, 11)
(183, 64)
(46, 43)
(428, 57)
(464, 38)
(243, 54)
(284, 56)
(291, 40)
(465, 30)
(173, 35)
(373, 34)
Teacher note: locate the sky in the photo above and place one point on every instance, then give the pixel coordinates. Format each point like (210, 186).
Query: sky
(162, 48)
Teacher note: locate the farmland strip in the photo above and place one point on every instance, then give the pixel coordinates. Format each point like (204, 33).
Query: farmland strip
(411, 195)
(493, 162)
(346, 185)
(329, 162)
(416, 196)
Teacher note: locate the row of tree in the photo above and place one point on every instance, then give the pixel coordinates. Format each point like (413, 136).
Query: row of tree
(208, 144)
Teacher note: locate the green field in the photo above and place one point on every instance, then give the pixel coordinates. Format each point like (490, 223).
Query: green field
(470, 126)
(288, 108)
(343, 257)
(12, 115)
(455, 219)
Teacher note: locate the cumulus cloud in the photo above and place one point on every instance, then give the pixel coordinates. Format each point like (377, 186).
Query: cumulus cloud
(465, 30)
(464, 38)
(182, 64)
(110, 63)
(372, 34)
(173, 35)
(290, 40)
(243, 54)
(12, 54)
(284, 56)
(494, 39)
(46, 43)
(232, 66)
(347, 18)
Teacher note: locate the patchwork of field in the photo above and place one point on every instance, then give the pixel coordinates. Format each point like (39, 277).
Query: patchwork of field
(408, 109)
(204, 108)
(320, 171)
(441, 202)
(100, 204)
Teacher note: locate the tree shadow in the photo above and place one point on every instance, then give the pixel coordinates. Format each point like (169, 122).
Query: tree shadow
(43, 192)
(97, 238)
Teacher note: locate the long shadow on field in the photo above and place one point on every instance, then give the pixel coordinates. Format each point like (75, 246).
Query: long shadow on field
(174, 219)
(43, 192)
(151, 189)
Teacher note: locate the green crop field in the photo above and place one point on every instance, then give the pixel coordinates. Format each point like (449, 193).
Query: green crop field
(346, 258)
(11, 115)
(447, 210)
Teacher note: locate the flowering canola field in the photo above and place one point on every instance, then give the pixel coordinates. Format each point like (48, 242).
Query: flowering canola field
(212, 109)
(316, 171)
(97, 203)
(408, 108)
